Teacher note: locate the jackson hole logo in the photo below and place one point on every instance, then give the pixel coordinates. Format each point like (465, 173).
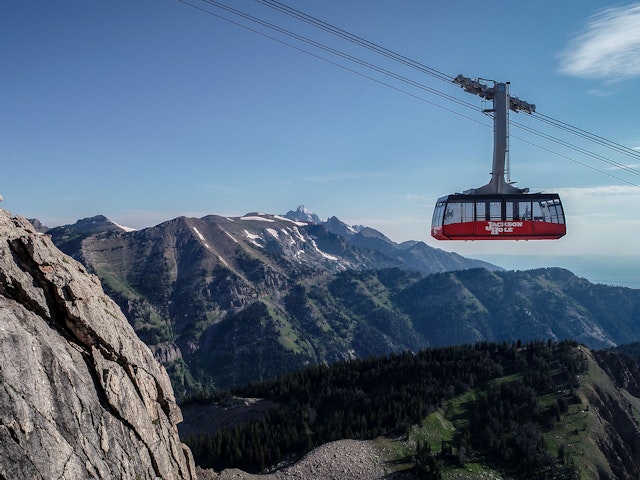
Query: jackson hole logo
(497, 228)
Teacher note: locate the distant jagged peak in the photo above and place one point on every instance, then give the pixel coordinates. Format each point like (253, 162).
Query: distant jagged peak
(301, 214)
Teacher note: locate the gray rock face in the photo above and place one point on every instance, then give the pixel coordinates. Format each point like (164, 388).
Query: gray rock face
(80, 395)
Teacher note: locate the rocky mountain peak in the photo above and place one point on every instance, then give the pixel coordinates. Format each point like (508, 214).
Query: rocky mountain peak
(38, 225)
(96, 224)
(301, 214)
(335, 225)
(80, 395)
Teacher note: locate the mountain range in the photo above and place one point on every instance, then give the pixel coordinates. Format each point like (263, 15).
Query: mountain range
(224, 301)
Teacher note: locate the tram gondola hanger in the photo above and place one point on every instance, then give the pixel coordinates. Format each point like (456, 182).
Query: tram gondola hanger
(498, 210)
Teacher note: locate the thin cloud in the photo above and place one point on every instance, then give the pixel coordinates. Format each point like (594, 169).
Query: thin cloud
(413, 197)
(629, 166)
(614, 203)
(609, 46)
(601, 190)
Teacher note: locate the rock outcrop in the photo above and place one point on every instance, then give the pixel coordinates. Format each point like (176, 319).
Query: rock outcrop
(80, 395)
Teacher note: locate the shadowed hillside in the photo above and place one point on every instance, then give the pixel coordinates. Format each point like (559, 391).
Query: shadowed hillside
(532, 411)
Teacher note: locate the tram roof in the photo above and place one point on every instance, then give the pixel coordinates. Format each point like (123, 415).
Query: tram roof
(465, 197)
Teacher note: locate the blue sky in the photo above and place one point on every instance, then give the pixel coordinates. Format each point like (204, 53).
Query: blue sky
(151, 109)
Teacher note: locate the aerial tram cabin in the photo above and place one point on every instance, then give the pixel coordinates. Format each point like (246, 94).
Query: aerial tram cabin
(529, 216)
(498, 210)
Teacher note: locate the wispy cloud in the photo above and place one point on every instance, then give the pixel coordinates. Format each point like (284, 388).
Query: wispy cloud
(615, 203)
(629, 166)
(608, 47)
(413, 197)
(601, 190)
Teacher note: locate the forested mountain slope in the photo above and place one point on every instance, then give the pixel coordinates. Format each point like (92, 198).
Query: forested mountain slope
(544, 303)
(502, 410)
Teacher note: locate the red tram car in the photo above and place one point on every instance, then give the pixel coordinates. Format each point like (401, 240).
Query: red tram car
(528, 216)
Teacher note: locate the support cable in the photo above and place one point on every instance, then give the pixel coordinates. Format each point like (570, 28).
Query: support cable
(589, 136)
(619, 148)
(336, 52)
(564, 143)
(327, 27)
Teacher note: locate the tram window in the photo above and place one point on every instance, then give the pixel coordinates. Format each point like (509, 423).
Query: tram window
(467, 212)
(453, 214)
(495, 210)
(481, 211)
(555, 211)
(438, 214)
(546, 214)
(509, 213)
(524, 210)
(559, 212)
(537, 212)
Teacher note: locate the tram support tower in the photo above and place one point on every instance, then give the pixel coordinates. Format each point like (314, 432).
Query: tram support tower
(502, 103)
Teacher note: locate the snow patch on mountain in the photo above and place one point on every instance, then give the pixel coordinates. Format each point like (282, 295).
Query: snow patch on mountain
(323, 254)
(257, 217)
(287, 234)
(298, 234)
(201, 237)
(198, 233)
(253, 238)
(126, 229)
(273, 232)
(295, 222)
(230, 236)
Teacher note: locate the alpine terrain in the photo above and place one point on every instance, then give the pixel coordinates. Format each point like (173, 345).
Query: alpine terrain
(224, 301)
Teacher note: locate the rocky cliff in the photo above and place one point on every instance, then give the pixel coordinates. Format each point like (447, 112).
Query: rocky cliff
(80, 395)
